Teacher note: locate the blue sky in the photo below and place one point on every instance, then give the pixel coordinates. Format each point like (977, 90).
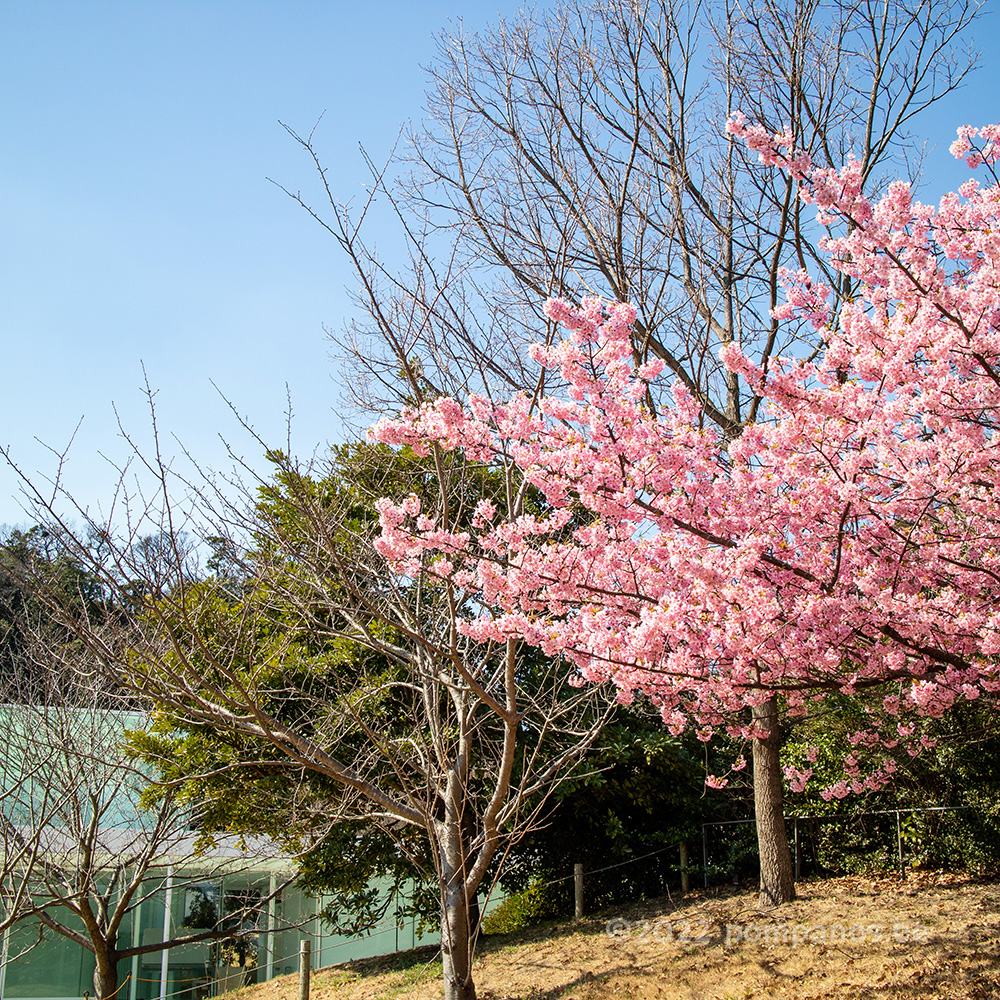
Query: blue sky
(139, 227)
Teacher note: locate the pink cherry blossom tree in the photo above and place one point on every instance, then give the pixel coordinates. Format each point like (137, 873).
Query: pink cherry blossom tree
(846, 541)
(584, 151)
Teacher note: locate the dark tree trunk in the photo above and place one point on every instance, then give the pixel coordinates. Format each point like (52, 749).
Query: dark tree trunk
(777, 877)
(106, 974)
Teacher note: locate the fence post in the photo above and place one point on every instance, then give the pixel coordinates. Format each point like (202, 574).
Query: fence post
(685, 877)
(899, 845)
(305, 965)
(578, 891)
(704, 852)
(798, 859)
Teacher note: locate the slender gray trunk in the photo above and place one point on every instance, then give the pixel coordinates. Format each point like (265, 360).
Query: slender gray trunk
(456, 944)
(457, 930)
(777, 877)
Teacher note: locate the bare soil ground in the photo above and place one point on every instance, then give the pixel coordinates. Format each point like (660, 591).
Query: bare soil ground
(933, 936)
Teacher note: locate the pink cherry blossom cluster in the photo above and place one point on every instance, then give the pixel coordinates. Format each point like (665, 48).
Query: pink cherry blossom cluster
(976, 153)
(849, 541)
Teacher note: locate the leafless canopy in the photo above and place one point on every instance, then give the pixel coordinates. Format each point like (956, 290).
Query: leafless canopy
(583, 151)
(79, 851)
(311, 656)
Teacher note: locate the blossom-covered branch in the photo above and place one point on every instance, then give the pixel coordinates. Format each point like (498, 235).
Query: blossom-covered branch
(847, 540)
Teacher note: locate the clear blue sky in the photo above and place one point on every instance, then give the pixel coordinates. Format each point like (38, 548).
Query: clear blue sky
(138, 226)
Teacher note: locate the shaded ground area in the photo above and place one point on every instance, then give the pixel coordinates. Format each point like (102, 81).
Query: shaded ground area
(931, 936)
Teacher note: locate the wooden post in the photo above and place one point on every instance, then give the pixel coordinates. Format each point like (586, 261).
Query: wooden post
(305, 965)
(899, 845)
(685, 877)
(704, 853)
(798, 858)
(578, 891)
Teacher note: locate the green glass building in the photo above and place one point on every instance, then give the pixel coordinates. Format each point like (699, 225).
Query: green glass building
(56, 967)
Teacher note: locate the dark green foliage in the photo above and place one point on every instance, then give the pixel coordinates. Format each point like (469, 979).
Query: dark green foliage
(42, 586)
(290, 648)
(960, 774)
(245, 786)
(623, 821)
(732, 851)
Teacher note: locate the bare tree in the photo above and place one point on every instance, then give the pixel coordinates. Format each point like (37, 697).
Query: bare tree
(583, 151)
(79, 851)
(317, 658)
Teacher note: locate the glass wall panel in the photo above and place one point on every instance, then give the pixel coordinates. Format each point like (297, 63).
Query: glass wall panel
(291, 909)
(55, 967)
(238, 958)
(60, 968)
(203, 968)
(147, 986)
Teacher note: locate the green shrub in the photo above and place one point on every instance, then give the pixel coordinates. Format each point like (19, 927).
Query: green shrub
(539, 901)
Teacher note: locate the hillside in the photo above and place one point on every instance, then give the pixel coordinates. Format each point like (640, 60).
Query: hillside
(931, 936)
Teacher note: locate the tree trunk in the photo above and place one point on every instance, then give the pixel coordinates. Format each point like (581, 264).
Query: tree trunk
(456, 943)
(777, 877)
(105, 975)
(457, 930)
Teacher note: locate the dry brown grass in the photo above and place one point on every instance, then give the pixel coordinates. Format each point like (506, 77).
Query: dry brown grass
(931, 937)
